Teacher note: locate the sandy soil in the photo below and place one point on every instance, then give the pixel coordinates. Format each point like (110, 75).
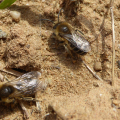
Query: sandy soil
(73, 92)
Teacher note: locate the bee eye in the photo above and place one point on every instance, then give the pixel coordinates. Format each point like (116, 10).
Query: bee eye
(65, 29)
(5, 91)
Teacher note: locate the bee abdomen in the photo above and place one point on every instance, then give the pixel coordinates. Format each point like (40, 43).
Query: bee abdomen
(76, 50)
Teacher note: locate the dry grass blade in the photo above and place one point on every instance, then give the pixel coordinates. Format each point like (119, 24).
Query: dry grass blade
(94, 74)
(113, 41)
(12, 72)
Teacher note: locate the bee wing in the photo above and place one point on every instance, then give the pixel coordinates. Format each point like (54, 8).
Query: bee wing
(78, 41)
(27, 84)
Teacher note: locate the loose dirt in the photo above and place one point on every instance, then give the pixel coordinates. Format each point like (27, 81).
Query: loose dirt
(73, 92)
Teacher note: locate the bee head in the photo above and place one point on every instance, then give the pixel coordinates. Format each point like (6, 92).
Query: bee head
(62, 27)
(5, 91)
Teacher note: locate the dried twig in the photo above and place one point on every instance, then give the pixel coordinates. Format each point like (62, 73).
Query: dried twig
(12, 72)
(105, 15)
(94, 74)
(113, 41)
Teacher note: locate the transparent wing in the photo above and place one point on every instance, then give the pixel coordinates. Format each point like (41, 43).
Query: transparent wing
(78, 41)
(27, 84)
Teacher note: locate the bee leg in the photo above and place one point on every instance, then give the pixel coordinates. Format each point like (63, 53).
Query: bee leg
(7, 100)
(6, 78)
(26, 116)
(59, 43)
(27, 99)
(68, 51)
(37, 104)
(77, 30)
(1, 78)
(32, 99)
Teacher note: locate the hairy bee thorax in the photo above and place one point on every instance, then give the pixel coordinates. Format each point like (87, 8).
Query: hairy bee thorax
(62, 28)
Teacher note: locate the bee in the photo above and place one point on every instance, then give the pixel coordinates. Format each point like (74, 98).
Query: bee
(71, 38)
(22, 88)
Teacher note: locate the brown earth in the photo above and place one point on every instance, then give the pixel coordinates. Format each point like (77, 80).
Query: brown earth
(73, 92)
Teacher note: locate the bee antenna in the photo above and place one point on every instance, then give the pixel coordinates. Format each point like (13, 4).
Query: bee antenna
(59, 13)
(47, 20)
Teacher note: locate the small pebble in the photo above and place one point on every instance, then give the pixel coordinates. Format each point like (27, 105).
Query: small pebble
(119, 46)
(3, 34)
(97, 66)
(118, 62)
(15, 15)
(107, 65)
(116, 102)
(49, 81)
(55, 66)
(95, 84)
